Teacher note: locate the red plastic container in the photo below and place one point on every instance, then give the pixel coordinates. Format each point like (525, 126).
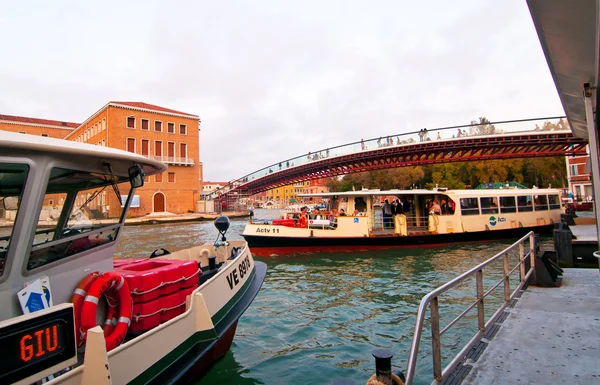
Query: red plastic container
(152, 276)
(145, 323)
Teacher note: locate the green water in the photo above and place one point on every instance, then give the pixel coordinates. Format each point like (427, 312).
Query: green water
(319, 315)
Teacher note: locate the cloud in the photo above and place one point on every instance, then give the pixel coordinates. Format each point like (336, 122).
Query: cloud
(272, 80)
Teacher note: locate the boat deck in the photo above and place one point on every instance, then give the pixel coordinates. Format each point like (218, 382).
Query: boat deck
(550, 336)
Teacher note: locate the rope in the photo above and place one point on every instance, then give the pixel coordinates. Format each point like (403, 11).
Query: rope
(163, 310)
(162, 284)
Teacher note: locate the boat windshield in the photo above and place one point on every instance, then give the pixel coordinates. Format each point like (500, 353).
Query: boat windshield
(80, 211)
(12, 181)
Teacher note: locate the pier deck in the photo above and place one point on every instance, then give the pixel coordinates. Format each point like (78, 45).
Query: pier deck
(551, 336)
(584, 233)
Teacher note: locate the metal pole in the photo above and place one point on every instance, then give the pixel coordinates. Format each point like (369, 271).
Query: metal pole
(480, 308)
(521, 261)
(435, 339)
(532, 255)
(593, 149)
(506, 280)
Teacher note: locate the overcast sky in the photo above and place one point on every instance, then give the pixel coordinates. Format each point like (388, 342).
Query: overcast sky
(275, 79)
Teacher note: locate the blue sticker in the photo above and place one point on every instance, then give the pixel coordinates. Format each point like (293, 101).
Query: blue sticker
(34, 302)
(355, 220)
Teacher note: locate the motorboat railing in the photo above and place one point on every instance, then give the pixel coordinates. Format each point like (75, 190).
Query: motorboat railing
(432, 301)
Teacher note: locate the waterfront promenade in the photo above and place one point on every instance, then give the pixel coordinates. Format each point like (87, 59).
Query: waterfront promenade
(156, 218)
(550, 336)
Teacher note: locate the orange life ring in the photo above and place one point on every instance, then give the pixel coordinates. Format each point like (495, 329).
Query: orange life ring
(77, 300)
(105, 283)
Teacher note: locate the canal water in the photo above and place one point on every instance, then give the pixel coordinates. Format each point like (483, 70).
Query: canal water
(319, 315)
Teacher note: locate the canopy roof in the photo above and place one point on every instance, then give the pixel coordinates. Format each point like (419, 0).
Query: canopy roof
(569, 34)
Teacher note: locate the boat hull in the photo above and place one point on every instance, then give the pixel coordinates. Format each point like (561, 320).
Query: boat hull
(195, 356)
(265, 245)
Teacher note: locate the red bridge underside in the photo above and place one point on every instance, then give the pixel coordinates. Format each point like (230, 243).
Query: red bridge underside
(457, 150)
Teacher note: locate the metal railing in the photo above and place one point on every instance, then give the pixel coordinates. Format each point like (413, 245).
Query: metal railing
(174, 160)
(475, 130)
(431, 300)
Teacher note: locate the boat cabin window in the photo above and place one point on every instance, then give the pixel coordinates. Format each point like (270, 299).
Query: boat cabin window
(554, 202)
(12, 182)
(80, 211)
(508, 205)
(489, 205)
(524, 203)
(469, 206)
(541, 202)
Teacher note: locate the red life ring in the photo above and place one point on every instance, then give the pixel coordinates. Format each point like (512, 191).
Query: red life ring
(108, 282)
(77, 300)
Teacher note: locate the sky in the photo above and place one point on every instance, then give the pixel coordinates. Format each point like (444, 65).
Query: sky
(274, 79)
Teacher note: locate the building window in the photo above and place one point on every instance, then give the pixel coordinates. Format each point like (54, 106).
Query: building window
(145, 147)
(22, 132)
(45, 135)
(171, 177)
(171, 149)
(157, 126)
(103, 124)
(130, 122)
(158, 148)
(145, 124)
(183, 129)
(171, 128)
(158, 178)
(183, 150)
(574, 170)
(131, 145)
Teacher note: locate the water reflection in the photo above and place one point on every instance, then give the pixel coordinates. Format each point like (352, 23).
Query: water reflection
(319, 314)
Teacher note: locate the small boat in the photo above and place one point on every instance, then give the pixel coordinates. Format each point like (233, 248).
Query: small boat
(168, 317)
(418, 217)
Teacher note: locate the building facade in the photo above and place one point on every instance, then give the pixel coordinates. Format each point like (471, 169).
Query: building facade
(152, 131)
(579, 177)
(34, 126)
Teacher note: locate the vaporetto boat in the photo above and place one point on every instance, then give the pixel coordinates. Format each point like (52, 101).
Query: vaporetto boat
(167, 318)
(467, 215)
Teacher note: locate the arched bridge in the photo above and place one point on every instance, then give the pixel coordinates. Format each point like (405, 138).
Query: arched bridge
(474, 142)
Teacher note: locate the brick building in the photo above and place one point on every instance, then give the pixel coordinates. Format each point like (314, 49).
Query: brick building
(579, 176)
(33, 126)
(209, 187)
(152, 131)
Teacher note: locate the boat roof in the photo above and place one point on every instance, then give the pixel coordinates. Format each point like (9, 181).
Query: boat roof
(26, 142)
(472, 192)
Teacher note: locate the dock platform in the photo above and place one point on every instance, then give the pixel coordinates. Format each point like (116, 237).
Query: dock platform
(584, 234)
(550, 336)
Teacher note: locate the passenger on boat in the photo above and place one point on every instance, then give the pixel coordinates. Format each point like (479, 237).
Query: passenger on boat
(436, 208)
(334, 213)
(342, 213)
(446, 208)
(302, 219)
(360, 204)
(386, 208)
(316, 214)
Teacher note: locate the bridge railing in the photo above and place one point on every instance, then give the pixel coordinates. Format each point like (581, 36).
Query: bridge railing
(424, 135)
(526, 248)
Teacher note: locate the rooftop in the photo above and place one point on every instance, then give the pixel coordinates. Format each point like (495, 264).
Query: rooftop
(152, 107)
(45, 122)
